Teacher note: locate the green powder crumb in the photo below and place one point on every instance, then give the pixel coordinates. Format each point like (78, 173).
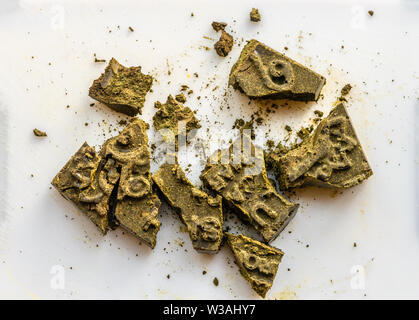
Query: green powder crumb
(98, 60)
(180, 98)
(345, 90)
(215, 282)
(39, 133)
(255, 15)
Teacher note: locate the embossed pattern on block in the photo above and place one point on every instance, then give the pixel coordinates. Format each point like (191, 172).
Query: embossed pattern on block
(239, 175)
(78, 181)
(258, 262)
(128, 168)
(261, 72)
(201, 213)
(115, 188)
(331, 157)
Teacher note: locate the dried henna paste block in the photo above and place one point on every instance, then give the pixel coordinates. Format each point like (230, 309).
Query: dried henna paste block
(78, 182)
(201, 213)
(258, 262)
(239, 175)
(261, 72)
(122, 89)
(115, 188)
(127, 168)
(331, 157)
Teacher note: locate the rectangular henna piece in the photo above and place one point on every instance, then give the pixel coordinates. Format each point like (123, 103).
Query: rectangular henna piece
(239, 175)
(128, 169)
(78, 182)
(200, 212)
(261, 72)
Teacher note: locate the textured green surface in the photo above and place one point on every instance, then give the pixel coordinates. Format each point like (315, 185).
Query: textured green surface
(128, 158)
(239, 175)
(255, 15)
(331, 157)
(122, 89)
(201, 213)
(258, 262)
(261, 72)
(78, 182)
(224, 45)
(115, 188)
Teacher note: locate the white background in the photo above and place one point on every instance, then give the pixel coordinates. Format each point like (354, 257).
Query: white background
(47, 62)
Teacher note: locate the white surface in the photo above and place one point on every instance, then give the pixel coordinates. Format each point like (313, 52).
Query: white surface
(40, 230)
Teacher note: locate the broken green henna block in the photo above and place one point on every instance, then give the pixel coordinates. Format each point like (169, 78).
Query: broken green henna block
(127, 169)
(258, 262)
(115, 188)
(174, 116)
(78, 181)
(331, 157)
(239, 175)
(201, 213)
(122, 89)
(261, 72)
(140, 217)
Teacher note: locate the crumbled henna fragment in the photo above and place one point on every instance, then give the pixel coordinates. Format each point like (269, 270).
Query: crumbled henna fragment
(217, 26)
(224, 45)
(261, 72)
(330, 157)
(255, 15)
(201, 213)
(39, 133)
(122, 89)
(215, 281)
(174, 116)
(258, 262)
(345, 90)
(180, 98)
(239, 175)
